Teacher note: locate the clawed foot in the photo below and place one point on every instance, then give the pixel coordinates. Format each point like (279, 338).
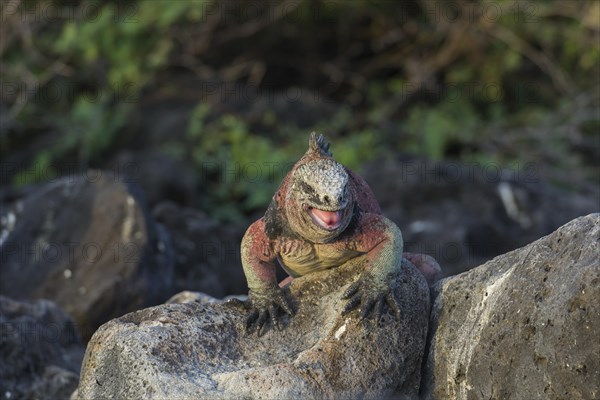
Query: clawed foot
(371, 295)
(267, 305)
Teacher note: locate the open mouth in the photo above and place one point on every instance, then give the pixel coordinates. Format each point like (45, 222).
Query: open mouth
(329, 220)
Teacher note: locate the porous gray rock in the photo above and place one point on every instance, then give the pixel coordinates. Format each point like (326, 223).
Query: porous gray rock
(523, 325)
(88, 243)
(188, 296)
(195, 350)
(40, 350)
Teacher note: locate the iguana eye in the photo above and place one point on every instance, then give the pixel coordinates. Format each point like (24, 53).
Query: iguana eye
(306, 188)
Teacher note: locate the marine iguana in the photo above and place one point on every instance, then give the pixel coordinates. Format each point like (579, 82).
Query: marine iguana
(322, 215)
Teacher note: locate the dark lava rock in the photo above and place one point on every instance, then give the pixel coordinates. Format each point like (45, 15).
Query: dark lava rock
(465, 214)
(40, 351)
(160, 176)
(207, 252)
(88, 243)
(200, 350)
(523, 325)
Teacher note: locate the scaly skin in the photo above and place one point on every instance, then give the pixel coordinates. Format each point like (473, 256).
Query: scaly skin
(321, 216)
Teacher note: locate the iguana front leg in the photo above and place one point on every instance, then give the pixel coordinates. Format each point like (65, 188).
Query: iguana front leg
(382, 240)
(266, 298)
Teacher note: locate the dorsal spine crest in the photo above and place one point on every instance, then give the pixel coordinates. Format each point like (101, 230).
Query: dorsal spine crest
(319, 145)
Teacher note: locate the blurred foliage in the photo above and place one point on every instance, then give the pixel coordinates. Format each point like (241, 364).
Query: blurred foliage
(80, 66)
(239, 169)
(487, 81)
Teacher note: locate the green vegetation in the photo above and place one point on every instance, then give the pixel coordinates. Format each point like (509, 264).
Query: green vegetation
(486, 81)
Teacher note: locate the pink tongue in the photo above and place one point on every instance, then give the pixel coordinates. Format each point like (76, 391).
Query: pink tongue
(328, 218)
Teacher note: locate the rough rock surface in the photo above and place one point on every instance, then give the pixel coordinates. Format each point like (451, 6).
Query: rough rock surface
(88, 243)
(195, 350)
(465, 214)
(523, 325)
(40, 351)
(188, 296)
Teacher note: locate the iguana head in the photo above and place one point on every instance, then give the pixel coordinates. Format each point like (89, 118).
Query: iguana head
(319, 203)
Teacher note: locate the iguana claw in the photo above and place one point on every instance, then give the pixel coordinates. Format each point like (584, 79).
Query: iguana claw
(264, 306)
(371, 296)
